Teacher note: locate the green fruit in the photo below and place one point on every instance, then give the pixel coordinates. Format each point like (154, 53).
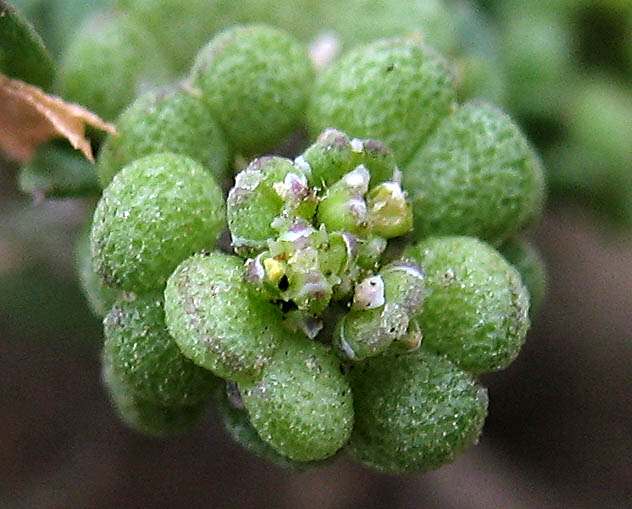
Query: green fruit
(256, 80)
(237, 423)
(156, 212)
(109, 61)
(414, 412)
(525, 257)
(215, 319)
(362, 21)
(169, 120)
(476, 309)
(100, 298)
(302, 405)
(147, 358)
(145, 417)
(476, 175)
(392, 90)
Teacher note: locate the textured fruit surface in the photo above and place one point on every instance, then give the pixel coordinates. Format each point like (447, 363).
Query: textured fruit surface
(156, 212)
(414, 412)
(215, 319)
(525, 257)
(148, 359)
(146, 417)
(100, 298)
(476, 308)
(393, 90)
(302, 406)
(109, 62)
(256, 80)
(476, 176)
(169, 120)
(237, 423)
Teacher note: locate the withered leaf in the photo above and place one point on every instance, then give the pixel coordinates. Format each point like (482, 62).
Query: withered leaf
(29, 117)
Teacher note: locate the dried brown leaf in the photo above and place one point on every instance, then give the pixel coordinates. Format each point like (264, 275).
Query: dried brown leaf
(29, 117)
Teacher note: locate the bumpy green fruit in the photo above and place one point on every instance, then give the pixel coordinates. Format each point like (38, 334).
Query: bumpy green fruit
(237, 423)
(170, 120)
(476, 175)
(146, 417)
(414, 412)
(148, 359)
(476, 308)
(156, 212)
(215, 319)
(100, 298)
(108, 63)
(302, 406)
(524, 256)
(392, 90)
(256, 80)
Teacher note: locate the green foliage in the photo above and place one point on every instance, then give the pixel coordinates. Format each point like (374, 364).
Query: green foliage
(476, 309)
(22, 52)
(156, 212)
(58, 171)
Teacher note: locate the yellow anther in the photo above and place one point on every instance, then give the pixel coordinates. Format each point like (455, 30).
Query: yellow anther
(275, 270)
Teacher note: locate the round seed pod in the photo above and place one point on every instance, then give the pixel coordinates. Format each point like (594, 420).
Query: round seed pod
(302, 405)
(100, 298)
(146, 417)
(476, 175)
(156, 212)
(237, 423)
(525, 257)
(169, 120)
(215, 319)
(256, 80)
(148, 359)
(110, 61)
(414, 412)
(477, 309)
(393, 90)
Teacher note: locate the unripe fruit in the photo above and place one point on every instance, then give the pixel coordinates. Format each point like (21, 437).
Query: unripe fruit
(215, 319)
(414, 412)
(156, 212)
(302, 406)
(147, 358)
(237, 423)
(256, 80)
(476, 308)
(393, 90)
(476, 175)
(525, 257)
(169, 120)
(109, 62)
(146, 417)
(100, 297)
